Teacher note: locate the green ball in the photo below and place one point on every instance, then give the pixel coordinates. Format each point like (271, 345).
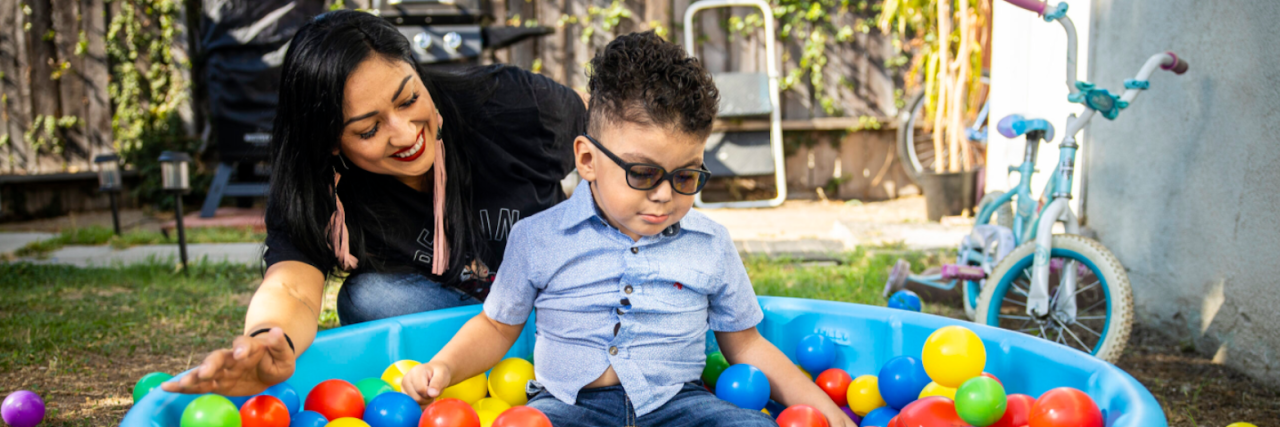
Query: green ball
(147, 383)
(372, 387)
(716, 364)
(981, 401)
(211, 410)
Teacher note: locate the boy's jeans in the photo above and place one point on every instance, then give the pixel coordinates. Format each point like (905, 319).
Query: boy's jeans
(609, 407)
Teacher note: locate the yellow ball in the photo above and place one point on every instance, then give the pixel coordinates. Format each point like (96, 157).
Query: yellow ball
(470, 390)
(806, 373)
(1241, 424)
(487, 417)
(491, 404)
(933, 389)
(347, 422)
(953, 355)
(396, 371)
(864, 395)
(508, 379)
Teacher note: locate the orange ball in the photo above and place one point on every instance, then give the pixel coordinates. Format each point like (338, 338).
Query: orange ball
(336, 399)
(1063, 407)
(449, 412)
(802, 416)
(522, 416)
(835, 382)
(264, 411)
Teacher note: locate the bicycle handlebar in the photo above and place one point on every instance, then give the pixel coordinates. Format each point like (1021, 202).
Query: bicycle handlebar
(1177, 66)
(1036, 6)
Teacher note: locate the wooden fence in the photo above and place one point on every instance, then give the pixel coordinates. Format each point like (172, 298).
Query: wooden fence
(54, 67)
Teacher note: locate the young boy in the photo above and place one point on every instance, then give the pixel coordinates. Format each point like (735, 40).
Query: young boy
(626, 279)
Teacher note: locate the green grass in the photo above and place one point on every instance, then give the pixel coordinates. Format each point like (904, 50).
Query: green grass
(60, 316)
(98, 235)
(858, 277)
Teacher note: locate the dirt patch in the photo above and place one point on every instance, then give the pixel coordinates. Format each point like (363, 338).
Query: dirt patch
(98, 393)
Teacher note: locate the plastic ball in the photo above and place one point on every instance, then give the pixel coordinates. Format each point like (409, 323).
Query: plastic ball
(864, 395)
(952, 355)
(286, 394)
(981, 401)
(1241, 424)
(1017, 411)
(22, 408)
(371, 388)
(507, 380)
(931, 411)
(1065, 406)
(335, 399)
(347, 422)
(392, 410)
(856, 419)
(901, 380)
(745, 386)
(487, 417)
(835, 382)
(470, 390)
(394, 373)
(816, 353)
(879, 417)
(895, 422)
(449, 412)
(264, 411)
(491, 404)
(905, 300)
(802, 416)
(933, 389)
(147, 383)
(308, 419)
(716, 364)
(210, 410)
(522, 416)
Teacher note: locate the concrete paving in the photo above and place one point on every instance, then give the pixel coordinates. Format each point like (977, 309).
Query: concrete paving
(105, 256)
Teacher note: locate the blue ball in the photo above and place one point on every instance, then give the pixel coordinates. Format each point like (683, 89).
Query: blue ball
(308, 419)
(286, 394)
(239, 400)
(816, 353)
(745, 386)
(774, 408)
(392, 410)
(901, 380)
(905, 300)
(879, 417)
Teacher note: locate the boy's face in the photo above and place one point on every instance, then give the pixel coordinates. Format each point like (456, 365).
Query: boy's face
(638, 212)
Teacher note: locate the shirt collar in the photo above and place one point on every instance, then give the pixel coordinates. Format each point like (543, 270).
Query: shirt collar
(582, 207)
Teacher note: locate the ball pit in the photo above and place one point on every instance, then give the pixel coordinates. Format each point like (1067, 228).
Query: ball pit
(865, 337)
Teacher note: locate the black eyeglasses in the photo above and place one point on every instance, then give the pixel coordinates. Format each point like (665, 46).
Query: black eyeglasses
(645, 176)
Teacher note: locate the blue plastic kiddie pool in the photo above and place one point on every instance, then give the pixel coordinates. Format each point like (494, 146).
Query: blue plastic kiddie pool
(866, 338)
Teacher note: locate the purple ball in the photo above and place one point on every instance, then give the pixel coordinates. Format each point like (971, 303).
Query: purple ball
(856, 419)
(22, 409)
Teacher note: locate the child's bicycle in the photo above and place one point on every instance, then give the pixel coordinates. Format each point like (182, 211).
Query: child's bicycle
(1064, 288)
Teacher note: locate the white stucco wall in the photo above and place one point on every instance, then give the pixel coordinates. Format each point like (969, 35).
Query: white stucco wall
(1184, 186)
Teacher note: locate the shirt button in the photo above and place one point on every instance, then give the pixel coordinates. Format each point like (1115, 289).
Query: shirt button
(620, 312)
(627, 289)
(616, 327)
(635, 250)
(613, 351)
(626, 302)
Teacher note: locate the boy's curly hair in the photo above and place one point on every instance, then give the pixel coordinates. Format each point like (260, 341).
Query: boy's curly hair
(643, 79)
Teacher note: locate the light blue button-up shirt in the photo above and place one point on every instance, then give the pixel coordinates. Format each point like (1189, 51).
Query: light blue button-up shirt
(643, 307)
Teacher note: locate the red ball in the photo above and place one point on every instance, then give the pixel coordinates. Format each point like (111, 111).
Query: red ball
(993, 377)
(932, 411)
(1063, 407)
(1017, 412)
(264, 411)
(835, 382)
(335, 399)
(893, 422)
(522, 416)
(449, 412)
(802, 416)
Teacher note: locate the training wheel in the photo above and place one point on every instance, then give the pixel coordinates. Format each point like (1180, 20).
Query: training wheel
(897, 277)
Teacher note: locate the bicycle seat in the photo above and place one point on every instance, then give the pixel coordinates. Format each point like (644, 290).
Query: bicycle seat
(1013, 125)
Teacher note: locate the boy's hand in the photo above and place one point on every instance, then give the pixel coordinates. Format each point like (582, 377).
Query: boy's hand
(250, 366)
(425, 382)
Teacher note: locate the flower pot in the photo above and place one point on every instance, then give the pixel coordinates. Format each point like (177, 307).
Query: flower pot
(947, 194)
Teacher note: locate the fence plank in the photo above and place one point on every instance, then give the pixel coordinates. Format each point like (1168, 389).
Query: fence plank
(97, 119)
(8, 90)
(551, 49)
(43, 59)
(21, 115)
(71, 87)
(522, 54)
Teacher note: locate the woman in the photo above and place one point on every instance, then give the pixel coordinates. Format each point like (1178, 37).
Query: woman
(405, 179)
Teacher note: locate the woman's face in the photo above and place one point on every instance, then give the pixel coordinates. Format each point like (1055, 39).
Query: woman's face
(390, 122)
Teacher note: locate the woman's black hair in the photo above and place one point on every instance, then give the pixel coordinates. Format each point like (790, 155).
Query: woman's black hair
(308, 126)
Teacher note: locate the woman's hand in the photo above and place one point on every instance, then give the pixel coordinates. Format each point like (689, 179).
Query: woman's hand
(425, 382)
(836, 417)
(250, 366)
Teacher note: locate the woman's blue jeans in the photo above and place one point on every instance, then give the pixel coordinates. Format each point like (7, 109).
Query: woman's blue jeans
(373, 296)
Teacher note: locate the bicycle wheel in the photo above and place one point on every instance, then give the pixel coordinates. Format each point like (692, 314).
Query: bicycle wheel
(1002, 217)
(1104, 299)
(915, 146)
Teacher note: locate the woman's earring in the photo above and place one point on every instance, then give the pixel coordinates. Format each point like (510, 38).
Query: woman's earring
(344, 163)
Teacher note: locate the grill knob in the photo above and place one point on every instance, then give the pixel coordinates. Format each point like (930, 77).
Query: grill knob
(423, 41)
(452, 40)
